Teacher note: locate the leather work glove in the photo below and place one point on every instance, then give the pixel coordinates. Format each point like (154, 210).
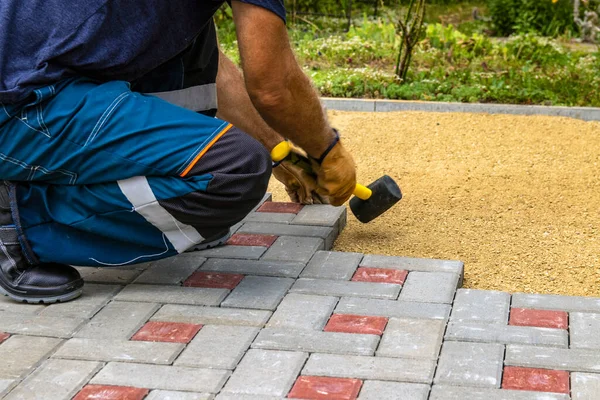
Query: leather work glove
(296, 173)
(336, 173)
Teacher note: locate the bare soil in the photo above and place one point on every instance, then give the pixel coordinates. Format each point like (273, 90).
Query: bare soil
(517, 198)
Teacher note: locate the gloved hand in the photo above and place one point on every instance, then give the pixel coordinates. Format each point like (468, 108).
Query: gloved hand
(336, 174)
(296, 173)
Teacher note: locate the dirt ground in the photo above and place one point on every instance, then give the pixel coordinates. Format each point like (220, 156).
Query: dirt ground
(516, 198)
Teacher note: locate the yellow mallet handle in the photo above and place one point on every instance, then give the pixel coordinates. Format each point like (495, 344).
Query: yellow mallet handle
(363, 192)
(281, 151)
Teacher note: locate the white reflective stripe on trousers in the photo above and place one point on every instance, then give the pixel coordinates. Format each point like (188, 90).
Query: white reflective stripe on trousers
(195, 98)
(138, 192)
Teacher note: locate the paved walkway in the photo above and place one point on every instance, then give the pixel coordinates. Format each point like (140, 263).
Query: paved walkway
(275, 315)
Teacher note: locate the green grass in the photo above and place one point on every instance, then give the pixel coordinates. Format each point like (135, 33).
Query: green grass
(448, 65)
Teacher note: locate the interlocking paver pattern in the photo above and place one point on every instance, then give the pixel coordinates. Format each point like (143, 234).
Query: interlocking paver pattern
(274, 315)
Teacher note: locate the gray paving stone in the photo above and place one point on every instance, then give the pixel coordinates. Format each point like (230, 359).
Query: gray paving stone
(330, 287)
(171, 395)
(388, 308)
(93, 299)
(9, 305)
(444, 392)
(332, 265)
(585, 386)
(481, 306)
(239, 252)
(119, 276)
(430, 287)
(266, 372)
(580, 360)
(258, 292)
(303, 311)
(21, 354)
(119, 350)
(173, 295)
(412, 264)
(376, 368)
(290, 248)
(212, 315)
(470, 364)
(321, 215)
(162, 377)
(555, 302)
(55, 380)
(118, 320)
(38, 325)
(584, 330)
(170, 271)
(380, 390)
(412, 338)
(316, 342)
(277, 218)
(229, 396)
(328, 234)
(285, 269)
(6, 385)
(507, 334)
(217, 346)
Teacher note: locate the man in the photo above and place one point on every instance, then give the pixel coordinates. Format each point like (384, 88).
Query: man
(110, 151)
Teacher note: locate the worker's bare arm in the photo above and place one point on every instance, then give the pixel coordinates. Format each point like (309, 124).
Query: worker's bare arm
(235, 105)
(277, 86)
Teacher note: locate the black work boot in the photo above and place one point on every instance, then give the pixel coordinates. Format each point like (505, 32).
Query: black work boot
(29, 282)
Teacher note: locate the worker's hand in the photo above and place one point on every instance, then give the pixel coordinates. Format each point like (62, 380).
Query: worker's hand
(300, 181)
(336, 175)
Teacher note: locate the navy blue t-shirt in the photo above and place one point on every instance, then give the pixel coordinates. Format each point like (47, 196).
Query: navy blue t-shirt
(44, 41)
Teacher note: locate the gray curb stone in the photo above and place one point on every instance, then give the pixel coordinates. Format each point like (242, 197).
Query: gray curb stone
(584, 113)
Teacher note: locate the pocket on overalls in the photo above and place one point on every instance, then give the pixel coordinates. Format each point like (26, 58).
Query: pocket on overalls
(32, 114)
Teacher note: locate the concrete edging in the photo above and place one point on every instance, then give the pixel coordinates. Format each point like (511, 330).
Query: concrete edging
(372, 105)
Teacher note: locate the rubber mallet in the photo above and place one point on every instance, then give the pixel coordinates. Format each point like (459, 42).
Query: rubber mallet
(373, 200)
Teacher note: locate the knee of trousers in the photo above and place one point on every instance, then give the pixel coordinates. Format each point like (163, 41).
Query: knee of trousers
(240, 167)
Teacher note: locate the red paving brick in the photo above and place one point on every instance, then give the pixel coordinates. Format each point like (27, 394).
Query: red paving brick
(3, 336)
(539, 380)
(275, 207)
(101, 392)
(213, 280)
(248, 239)
(380, 275)
(356, 324)
(173, 332)
(318, 387)
(539, 318)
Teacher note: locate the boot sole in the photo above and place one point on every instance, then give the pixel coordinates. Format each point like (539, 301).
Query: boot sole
(210, 245)
(43, 300)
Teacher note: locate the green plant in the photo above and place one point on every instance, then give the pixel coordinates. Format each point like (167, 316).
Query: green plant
(544, 17)
(411, 34)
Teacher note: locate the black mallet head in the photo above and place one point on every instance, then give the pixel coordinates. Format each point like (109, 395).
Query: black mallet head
(386, 193)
